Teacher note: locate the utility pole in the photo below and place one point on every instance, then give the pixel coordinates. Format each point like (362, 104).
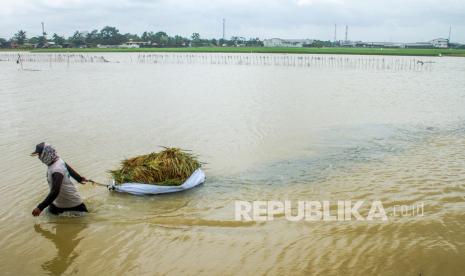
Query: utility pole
(335, 33)
(450, 30)
(224, 29)
(43, 29)
(44, 38)
(347, 31)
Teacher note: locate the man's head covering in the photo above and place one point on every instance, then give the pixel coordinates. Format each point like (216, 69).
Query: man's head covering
(47, 154)
(39, 149)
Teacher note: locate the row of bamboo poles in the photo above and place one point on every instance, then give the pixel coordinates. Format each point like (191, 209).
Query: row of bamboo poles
(291, 60)
(287, 60)
(52, 58)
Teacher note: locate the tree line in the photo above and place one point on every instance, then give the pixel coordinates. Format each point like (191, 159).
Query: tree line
(112, 36)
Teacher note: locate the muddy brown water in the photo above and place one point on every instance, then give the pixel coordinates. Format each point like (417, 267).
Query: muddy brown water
(267, 133)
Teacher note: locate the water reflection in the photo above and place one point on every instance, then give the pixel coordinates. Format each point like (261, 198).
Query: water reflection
(66, 238)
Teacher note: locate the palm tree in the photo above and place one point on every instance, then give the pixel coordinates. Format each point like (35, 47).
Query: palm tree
(20, 37)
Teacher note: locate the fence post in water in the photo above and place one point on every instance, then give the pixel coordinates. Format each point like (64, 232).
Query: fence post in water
(20, 61)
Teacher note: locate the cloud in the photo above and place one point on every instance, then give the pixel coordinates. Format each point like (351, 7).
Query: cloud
(317, 2)
(394, 20)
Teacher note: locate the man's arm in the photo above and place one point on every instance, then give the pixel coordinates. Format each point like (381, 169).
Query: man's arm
(57, 179)
(74, 174)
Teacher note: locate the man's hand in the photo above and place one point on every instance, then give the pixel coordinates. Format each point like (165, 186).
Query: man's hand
(36, 212)
(84, 180)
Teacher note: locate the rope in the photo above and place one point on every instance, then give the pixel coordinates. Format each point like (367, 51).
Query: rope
(110, 187)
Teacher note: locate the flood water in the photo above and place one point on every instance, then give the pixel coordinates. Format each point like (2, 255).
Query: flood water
(266, 133)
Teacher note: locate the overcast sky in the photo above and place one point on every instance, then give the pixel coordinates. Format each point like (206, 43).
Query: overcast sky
(368, 20)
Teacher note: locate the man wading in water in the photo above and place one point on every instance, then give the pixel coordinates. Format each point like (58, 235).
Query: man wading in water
(63, 195)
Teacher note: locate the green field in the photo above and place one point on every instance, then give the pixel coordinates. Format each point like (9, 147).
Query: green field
(346, 51)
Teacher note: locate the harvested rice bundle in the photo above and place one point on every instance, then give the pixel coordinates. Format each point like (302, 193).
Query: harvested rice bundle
(169, 167)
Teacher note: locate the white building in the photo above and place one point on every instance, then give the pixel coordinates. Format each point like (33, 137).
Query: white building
(130, 44)
(440, 43)
(278, 42)
(420, 45)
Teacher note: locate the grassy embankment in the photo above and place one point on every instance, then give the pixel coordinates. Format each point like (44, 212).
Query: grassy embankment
(345, 51)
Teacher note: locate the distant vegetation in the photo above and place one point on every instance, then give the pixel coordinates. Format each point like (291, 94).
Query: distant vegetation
(112, 36)
(304, 50)
(149, 41)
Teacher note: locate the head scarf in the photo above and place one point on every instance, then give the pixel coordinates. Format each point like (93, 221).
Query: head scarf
(48, 155)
